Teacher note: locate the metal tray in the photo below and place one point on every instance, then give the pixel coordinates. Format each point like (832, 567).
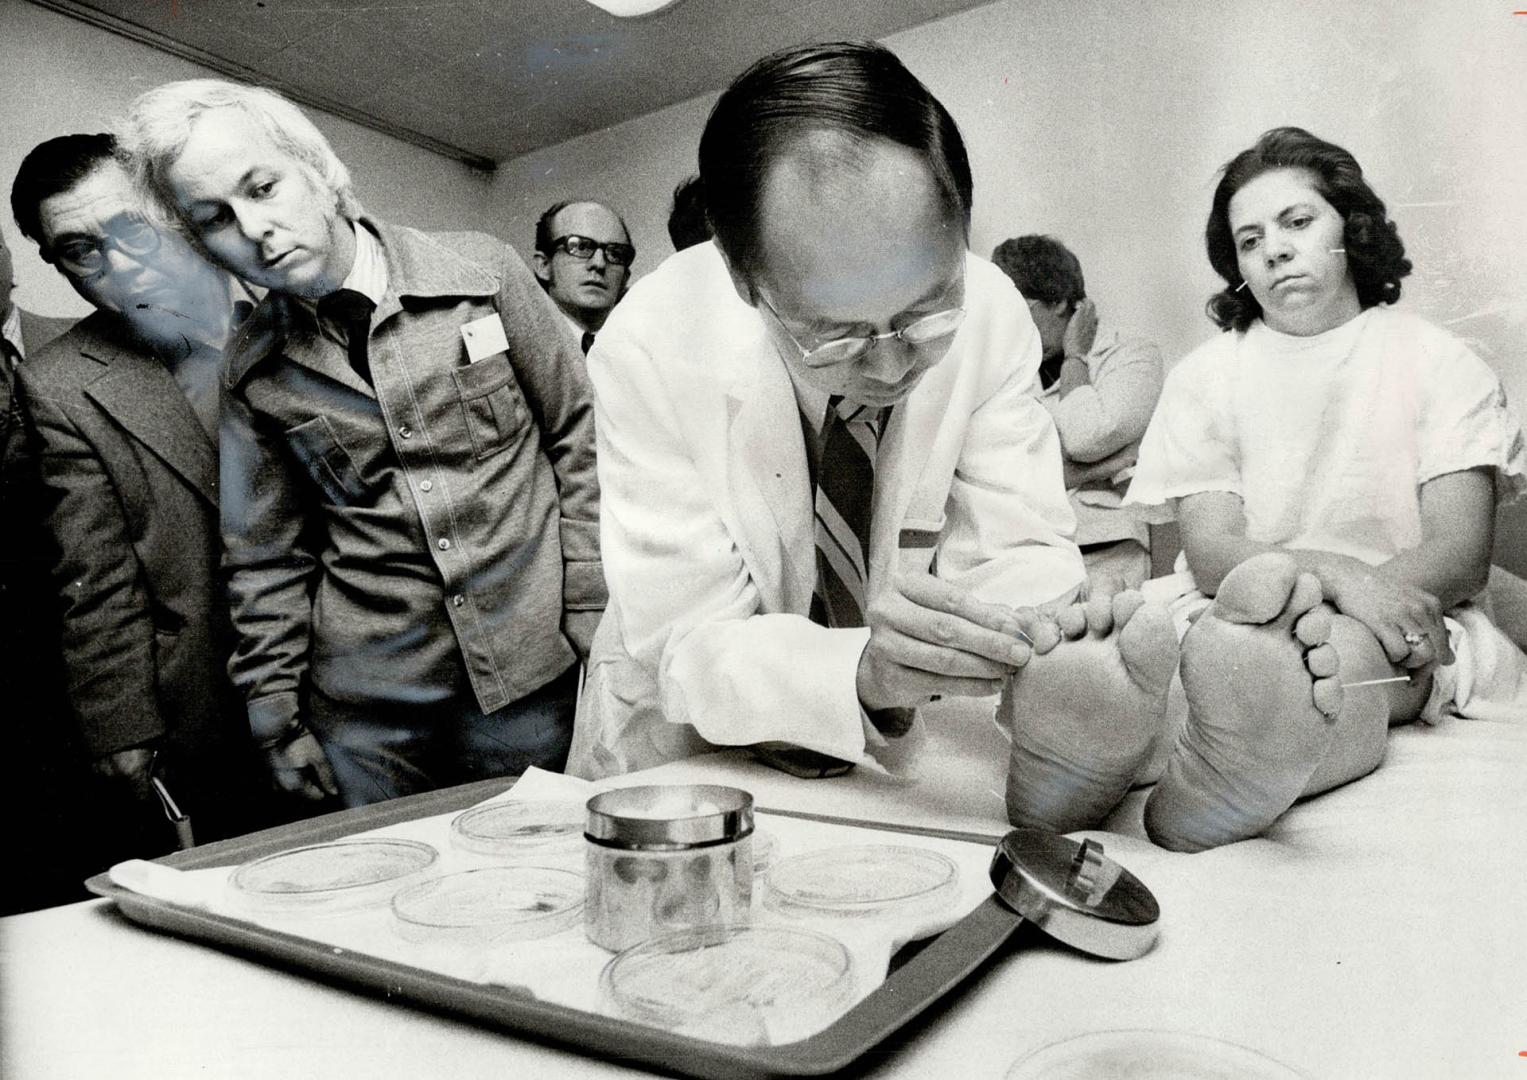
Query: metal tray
(921, 974)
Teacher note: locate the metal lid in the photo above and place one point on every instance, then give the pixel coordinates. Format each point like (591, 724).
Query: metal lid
(1075, 893)
(669, 817)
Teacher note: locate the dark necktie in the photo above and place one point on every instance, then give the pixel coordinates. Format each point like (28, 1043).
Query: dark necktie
(587, 342)
(844, 496)
(352, 311)
(10, 354)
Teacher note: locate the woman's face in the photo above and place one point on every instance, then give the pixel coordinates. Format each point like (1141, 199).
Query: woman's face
(1290, 248)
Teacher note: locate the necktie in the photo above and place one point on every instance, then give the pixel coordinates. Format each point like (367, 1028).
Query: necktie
(9, 353)
(845, 493)
(351, 310)
(587, 342)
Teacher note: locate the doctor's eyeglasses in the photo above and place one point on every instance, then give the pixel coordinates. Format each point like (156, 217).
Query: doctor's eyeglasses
(582, 248)
(85, 256)
(922, 331)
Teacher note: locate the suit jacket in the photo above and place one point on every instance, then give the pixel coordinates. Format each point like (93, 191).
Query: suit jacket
(706, 523)
(38, 330)
(130, 495)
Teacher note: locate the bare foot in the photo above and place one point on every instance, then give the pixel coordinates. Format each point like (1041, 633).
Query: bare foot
(1084, 716)
(1263, 690)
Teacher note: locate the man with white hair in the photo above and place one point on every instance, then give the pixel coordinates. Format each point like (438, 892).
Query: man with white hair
(409, 500)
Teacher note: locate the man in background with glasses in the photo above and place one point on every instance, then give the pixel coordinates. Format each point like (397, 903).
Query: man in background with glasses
(410, 508)
(830, 495)
(583, 260)
(125, 413)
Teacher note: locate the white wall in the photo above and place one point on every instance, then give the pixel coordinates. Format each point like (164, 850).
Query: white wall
(58, 76)
(1104, 121)
(633, 167)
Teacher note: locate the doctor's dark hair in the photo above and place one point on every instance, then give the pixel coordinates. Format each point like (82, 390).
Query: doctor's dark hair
(1043, 268)
(52, 168)
(1375, 255)
(858, 91)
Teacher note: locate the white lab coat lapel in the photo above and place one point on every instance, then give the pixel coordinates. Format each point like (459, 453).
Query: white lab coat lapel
(768, 492)
(916, 445)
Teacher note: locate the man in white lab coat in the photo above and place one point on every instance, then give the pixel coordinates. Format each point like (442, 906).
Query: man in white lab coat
(830, 495)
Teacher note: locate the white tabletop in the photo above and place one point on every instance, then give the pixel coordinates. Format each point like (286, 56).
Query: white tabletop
(1377, 931)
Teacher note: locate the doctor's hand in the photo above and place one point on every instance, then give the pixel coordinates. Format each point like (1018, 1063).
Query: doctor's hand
(928, 638)
(300, 767)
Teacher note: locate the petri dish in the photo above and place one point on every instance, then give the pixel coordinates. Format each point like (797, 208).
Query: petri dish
(741, 983)
(764, 847)
(340, 876)
(488, 905)
(529, 828)
(865, 881)
(1148, 1054)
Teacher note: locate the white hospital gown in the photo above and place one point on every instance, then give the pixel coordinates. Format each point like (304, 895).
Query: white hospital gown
(1327, 441)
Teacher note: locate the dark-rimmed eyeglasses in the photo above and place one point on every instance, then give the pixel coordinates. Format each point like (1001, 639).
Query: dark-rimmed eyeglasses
(923, 331)
(86, 256)
(583, 248)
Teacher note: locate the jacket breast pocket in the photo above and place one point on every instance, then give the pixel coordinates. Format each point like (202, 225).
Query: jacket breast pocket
(491, 401)
(326, 460)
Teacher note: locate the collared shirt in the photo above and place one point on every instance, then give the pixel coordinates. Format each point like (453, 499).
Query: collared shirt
(197, 365)
(11, 331)
(367, 276)
(419, 538)
(573, 325)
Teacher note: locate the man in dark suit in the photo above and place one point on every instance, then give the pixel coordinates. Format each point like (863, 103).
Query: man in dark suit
(124, 413)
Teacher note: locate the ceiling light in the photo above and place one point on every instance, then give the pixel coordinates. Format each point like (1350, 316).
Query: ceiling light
(630, 9)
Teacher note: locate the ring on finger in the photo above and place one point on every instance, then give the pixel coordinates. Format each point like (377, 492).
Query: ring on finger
(1414, 639)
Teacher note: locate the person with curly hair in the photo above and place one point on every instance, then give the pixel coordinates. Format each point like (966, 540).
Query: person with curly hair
(1335, 464)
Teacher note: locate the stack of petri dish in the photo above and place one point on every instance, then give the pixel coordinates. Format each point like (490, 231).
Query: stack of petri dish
(490, 905)
(531, 830)
(331, 878)
(871, 881)
(741, 984)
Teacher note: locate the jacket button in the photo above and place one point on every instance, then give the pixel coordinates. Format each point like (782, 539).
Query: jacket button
(458, 599)
(426, 485)
(406, 431)
(444, 544)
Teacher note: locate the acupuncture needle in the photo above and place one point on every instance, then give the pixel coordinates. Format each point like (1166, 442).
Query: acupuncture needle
(1376, 682)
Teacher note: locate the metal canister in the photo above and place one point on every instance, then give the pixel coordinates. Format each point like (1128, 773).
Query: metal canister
(666, 857)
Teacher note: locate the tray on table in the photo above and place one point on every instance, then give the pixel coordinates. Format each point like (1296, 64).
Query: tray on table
(920, 975)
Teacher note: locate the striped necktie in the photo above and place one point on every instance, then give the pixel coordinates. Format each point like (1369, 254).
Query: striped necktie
(845, 493)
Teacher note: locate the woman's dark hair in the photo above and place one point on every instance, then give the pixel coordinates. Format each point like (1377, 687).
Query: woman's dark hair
(52, 168)
(858, 90)
(1375, 256)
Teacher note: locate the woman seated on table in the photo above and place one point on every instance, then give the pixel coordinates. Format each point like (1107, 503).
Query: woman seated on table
(1335, 466)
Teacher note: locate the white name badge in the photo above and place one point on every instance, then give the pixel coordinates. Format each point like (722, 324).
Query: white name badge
(484, 337)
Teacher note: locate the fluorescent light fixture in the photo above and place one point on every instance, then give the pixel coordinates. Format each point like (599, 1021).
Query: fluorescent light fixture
(630, 9)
